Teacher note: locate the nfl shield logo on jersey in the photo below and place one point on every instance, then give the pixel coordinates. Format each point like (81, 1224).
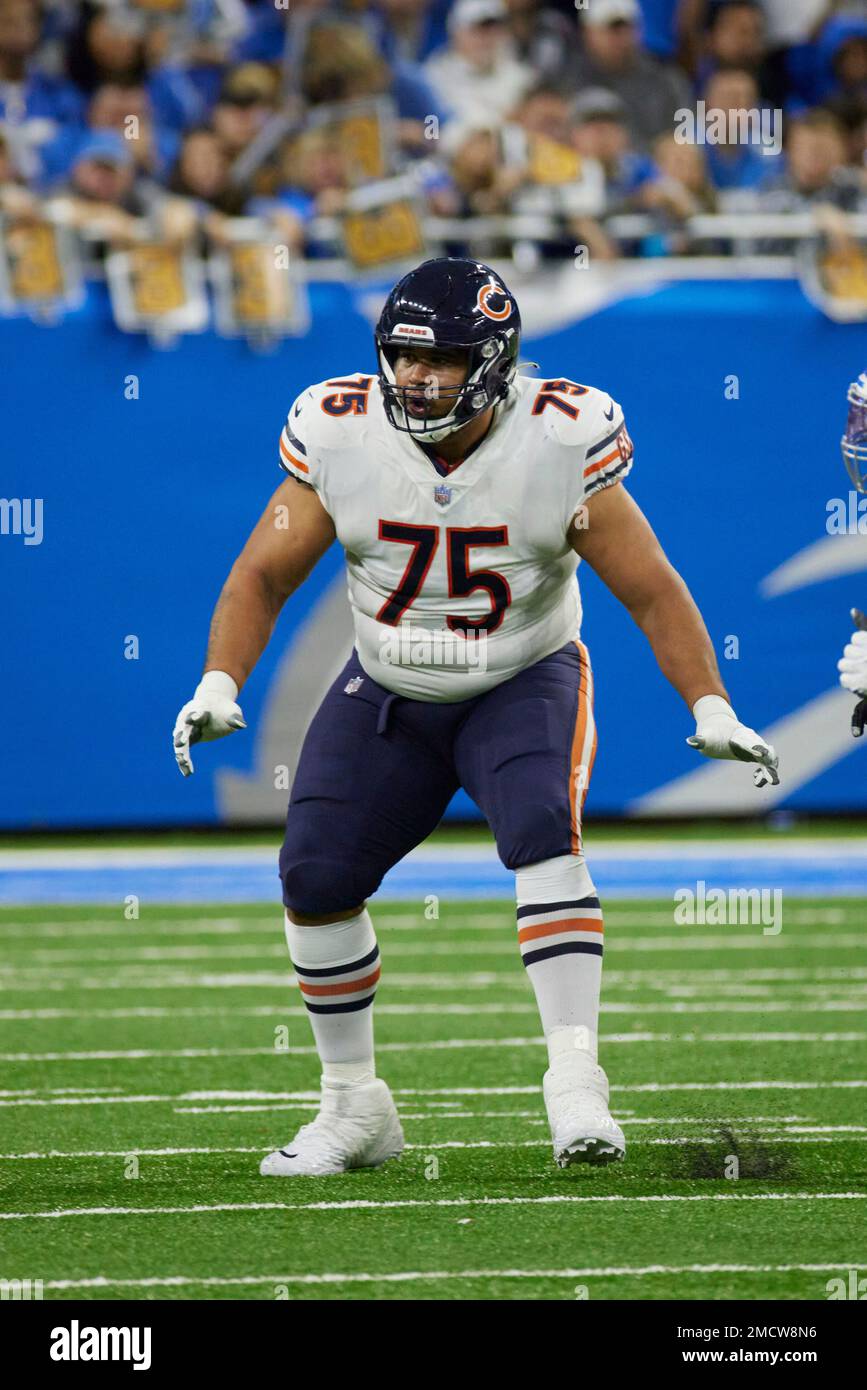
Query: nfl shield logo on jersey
(353, 685)
(442, 495)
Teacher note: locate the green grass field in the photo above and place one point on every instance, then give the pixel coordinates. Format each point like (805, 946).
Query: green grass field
(142, 1084)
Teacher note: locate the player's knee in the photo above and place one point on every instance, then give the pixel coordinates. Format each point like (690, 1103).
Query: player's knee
(321, 885)
(563, 878)
(528, 832)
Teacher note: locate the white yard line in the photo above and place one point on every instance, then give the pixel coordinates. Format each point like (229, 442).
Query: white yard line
(270, 926)
(654, 1087)
(148, 979)
(439, 1202)
(169, 1281)
(45, 960)
(813, 1136)
(276, 1011)
(674, 980)
(433, 1045)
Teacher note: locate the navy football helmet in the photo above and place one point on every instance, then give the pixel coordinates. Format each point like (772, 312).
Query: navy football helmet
(854, 441)
(449, 303)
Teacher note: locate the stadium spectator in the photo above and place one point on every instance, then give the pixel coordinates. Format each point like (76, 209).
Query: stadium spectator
(736, 164)
(815, 171)
(198, 42)
(111, 46)
(482, 183)
(670, 28)
(680, 190)
(314, 178)
(341, 63)
(612, 57)
(103, 198)
(201, 173)
(684, 185)
(494, 172)
(16, 199)
(200, 199)
(539, 34)
(544, 111)
(124, 107)
(249, 95)
(600, 131)
(407, 30)
(841, 57)
(278, 35)
(35, 106)
(8, 171)
(477, 76)
(851, 112)
(735, 39)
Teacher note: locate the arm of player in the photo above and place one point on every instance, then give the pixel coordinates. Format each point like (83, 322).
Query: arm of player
(853, 670)
(620, 545)
(292, 533)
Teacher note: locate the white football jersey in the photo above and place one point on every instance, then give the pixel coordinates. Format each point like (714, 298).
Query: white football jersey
(459, 582)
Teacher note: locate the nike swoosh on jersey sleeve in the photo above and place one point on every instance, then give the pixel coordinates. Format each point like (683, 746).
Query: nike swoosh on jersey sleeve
(294, 455)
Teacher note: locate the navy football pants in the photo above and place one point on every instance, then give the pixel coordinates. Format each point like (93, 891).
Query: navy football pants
(378, 770)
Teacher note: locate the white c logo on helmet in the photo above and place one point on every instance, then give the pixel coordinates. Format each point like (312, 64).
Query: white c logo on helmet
(484, 295)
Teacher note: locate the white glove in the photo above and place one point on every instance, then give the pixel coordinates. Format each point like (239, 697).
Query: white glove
(212, 713)
(719, 734)
(853, 664)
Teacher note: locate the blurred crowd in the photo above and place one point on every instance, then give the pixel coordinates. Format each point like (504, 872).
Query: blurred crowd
(192, 113)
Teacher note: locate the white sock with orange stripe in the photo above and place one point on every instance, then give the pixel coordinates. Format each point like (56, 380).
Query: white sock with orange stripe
(337, 965)
(560, 936)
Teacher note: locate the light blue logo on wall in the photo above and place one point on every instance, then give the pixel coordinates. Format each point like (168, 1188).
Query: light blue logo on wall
(809, 740)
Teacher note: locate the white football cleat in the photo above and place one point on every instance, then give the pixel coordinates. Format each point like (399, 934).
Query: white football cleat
(576, 1096)
(357, 1127)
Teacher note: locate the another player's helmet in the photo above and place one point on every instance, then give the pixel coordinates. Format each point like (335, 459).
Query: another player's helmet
(450, 303)
(854, 441)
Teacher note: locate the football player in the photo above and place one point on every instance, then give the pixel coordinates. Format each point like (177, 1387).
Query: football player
(853, 663)
(463, 495)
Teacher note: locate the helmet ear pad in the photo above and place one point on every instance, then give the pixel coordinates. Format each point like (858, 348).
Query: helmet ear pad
(503, 370)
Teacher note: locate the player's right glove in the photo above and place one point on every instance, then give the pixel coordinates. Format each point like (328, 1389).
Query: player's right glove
(212, 713)
(720, 734)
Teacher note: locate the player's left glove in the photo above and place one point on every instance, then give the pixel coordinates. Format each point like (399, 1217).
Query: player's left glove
(720, 734)
(853, 671)
(212, 713)
(853, 664)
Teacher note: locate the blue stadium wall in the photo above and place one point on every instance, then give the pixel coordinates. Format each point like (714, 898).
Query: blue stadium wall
(146, 503)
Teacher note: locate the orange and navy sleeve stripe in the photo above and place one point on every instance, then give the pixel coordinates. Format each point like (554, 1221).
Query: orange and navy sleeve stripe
(548, 930)
(608, 460)
(293, 454)
(340, 989)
